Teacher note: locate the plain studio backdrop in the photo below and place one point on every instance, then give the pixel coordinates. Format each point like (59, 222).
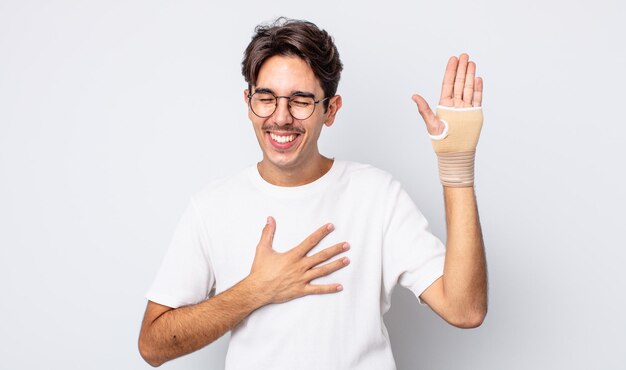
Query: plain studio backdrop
(113, 113)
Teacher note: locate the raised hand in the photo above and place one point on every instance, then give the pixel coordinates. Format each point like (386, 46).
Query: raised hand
(285, 276)
(460, 89)
(455, 128)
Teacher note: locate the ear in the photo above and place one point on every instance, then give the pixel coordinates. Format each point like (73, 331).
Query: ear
(245, 95)
(333, 108)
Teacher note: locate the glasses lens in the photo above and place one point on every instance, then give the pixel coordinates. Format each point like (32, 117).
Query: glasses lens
(301, 107)
(263, 104)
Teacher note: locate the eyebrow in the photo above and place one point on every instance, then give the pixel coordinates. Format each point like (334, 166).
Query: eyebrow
(303, 93)
(295, 93)
(263, 90)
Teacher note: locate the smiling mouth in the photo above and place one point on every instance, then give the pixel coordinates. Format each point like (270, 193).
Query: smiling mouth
(283, 138)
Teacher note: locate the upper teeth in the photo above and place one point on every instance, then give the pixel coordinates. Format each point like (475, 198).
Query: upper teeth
(282, 139)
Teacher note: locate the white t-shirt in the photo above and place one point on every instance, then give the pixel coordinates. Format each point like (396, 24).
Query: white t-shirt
(215, 242)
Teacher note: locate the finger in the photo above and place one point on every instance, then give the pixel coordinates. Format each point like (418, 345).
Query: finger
(459, 81)
(433, 124)
(326, 254)
(322, 289)
(468, 90)
(327, 269)
(447, 87)
(267, 236)
(478, 92)
(303, 248)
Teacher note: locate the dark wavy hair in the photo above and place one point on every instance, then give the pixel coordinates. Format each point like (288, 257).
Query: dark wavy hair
(292, 37)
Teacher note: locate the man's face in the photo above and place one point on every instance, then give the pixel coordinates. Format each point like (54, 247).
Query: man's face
(288, 143)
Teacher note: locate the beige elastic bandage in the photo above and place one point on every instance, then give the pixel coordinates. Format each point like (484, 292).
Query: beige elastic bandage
(456, 146)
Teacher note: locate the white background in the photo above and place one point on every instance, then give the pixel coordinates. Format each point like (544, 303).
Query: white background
(112, 113)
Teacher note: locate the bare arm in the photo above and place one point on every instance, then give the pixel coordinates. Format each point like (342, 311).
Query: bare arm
(168, 333)
(460, 295)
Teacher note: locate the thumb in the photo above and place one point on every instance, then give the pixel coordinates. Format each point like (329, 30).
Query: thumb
(433, 125)
(267, 236)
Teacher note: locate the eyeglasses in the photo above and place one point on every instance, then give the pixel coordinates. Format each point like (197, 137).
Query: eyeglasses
(263, 104)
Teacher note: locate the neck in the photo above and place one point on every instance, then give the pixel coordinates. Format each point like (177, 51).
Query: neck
(296, 176)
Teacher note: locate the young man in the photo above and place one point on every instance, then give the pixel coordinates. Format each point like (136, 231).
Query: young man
(311, 293)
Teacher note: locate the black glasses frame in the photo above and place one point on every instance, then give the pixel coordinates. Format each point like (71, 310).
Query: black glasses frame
(315, 103)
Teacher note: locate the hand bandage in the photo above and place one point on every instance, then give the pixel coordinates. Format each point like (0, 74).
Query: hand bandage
(456, 146)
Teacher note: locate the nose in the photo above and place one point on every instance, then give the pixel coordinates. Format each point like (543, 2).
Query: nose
(281, 115)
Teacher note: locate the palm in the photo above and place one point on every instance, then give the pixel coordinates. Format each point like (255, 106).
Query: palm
(460, 89)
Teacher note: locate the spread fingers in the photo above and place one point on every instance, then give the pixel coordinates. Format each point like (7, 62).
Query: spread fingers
(322, 289)
(326, 254)
(312, 240)
(327, 269)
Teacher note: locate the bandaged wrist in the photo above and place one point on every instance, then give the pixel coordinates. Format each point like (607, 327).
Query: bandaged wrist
(456, 146)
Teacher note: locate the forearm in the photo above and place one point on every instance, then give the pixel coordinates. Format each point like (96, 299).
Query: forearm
(180, 331)
(465, 273)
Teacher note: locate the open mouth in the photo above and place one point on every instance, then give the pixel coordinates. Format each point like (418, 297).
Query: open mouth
(284, 140)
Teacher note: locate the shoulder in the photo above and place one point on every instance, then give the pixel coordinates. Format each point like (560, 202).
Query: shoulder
(366, 174)
(370, 182)
(223, 187)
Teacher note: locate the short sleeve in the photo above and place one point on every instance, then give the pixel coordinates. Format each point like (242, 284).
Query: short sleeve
(412, 256)
(186, 274)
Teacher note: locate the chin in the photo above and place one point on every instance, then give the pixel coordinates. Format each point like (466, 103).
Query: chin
(283, 159)
(281, 162)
